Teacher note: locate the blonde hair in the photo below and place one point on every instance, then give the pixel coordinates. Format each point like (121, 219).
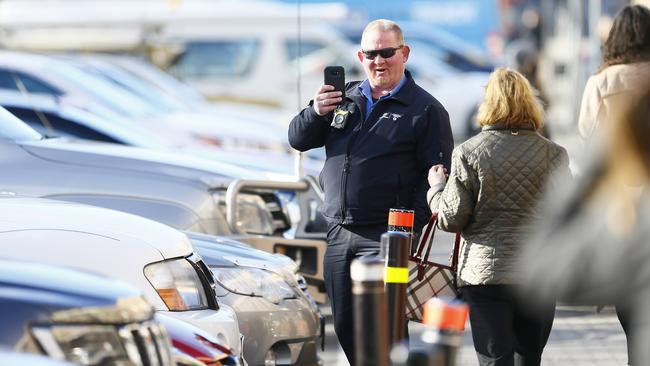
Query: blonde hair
(384, 25)
(509, 99)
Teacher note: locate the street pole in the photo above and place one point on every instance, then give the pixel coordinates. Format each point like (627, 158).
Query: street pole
(369, 306)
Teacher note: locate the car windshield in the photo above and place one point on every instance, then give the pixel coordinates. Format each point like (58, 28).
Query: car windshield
(160, 79)
(12, 128)
(102, 90)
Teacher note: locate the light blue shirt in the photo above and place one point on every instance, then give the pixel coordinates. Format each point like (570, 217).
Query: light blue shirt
(364, 88)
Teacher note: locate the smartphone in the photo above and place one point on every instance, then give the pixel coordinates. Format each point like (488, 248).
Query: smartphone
(335, 76)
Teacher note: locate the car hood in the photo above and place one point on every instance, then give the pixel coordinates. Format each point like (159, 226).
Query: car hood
(145, 237)
(224, 252)
(103, 155)
(59, 287)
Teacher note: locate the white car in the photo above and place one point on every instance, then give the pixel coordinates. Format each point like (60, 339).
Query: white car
(155, 258)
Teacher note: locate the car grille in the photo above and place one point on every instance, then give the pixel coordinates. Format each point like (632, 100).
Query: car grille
(280, 219)
(147, 344)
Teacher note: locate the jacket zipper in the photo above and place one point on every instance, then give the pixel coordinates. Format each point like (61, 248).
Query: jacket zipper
(344, 184)
(346, 171)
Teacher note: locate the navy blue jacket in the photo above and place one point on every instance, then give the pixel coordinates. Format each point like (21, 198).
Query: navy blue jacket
(379, 162)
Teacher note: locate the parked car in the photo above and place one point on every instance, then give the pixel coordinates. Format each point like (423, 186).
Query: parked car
(76, 317)
(264, 289)
(193, 346)
(156, 259)
(183, 192)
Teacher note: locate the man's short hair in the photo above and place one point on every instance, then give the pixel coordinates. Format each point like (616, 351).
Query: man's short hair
(384, 25)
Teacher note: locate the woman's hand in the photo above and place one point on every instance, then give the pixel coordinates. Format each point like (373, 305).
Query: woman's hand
(437, 175)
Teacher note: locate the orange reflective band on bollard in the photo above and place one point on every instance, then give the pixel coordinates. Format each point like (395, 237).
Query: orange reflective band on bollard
(445, 315)
(400, 220)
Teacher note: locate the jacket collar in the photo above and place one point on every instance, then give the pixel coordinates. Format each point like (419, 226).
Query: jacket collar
(501, 126)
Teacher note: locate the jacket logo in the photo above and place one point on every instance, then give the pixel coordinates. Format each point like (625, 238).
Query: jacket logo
(393, 116)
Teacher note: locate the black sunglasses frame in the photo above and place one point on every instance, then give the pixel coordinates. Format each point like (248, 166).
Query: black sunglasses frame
(387, 52)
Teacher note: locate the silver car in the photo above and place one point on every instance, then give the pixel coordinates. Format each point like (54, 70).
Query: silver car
(279, 318)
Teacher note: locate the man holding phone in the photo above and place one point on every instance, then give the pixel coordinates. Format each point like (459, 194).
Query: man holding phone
(380, 140)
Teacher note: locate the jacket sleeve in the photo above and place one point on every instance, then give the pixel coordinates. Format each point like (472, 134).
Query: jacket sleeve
(590, 109)
(435, 145)
(455, 204)
(308, 130)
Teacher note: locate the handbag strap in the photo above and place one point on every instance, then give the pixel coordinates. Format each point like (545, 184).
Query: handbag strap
(427, 237)
(427, 241)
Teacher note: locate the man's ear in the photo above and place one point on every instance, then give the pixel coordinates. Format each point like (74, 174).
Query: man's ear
(406, 50)
(360, 56)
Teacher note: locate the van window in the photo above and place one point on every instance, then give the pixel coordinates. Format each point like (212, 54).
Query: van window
(216, 59)
(306, 47)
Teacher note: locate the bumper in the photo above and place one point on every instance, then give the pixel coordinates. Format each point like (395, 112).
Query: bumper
(221, 323)
(290, 329)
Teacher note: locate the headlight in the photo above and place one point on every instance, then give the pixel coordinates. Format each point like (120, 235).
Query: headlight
(253, 216)
(83, 344)
(178, 284)
(254, 282)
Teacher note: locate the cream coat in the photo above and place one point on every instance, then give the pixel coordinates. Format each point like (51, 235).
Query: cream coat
(603, 90)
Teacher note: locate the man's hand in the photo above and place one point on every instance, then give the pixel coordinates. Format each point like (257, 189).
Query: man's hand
(326, 100)
(437, 175)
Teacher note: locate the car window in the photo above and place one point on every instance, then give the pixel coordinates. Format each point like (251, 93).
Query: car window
(295, 49)
(9, 79)
(53, 125)
(220, 59)
(14, 129)
(117, 99)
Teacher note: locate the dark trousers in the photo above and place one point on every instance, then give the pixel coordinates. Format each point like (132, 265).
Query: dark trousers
(505, 330)
(345, 243)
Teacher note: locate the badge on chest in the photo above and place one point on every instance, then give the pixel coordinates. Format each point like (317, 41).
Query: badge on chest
(340, 117)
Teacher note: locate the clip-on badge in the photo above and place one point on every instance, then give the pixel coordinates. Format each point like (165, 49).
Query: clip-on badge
(340, 117)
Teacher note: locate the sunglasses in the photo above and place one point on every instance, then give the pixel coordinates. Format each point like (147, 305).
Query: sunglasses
(384, 52)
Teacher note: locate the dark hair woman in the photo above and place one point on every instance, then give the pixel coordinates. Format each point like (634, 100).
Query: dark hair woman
(625, 69)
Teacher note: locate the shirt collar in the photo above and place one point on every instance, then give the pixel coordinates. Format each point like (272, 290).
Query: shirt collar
(366, 91)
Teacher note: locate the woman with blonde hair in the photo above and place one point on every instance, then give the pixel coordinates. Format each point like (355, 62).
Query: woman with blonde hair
(497, 180)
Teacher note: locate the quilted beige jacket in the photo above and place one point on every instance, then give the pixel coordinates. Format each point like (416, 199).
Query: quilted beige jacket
(496, 181)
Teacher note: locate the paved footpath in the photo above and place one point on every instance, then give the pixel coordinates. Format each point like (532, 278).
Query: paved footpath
(579, 337)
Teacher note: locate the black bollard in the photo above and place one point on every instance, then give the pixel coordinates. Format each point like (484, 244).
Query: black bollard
(396, 246)
(369, 304)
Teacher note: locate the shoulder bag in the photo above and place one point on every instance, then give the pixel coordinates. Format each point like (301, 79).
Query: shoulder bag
(428, 279)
